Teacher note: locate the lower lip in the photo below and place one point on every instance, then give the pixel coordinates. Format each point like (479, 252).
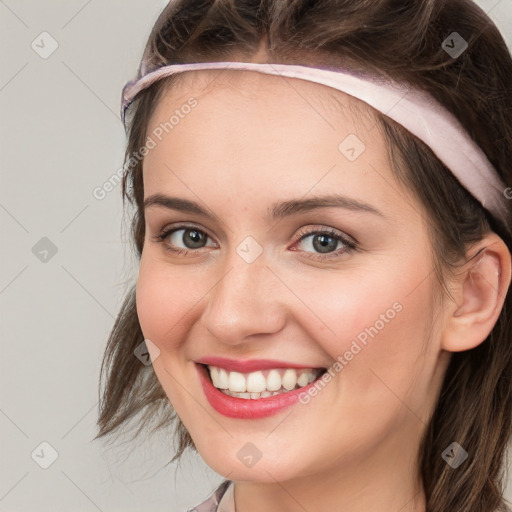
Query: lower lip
(247, 408)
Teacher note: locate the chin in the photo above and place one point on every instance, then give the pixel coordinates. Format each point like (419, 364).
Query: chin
(243, 464)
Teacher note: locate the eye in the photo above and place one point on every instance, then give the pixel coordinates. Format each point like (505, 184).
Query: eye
(190, 236)
(326, 242)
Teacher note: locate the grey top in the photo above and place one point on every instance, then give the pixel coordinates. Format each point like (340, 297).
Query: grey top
(223, 500)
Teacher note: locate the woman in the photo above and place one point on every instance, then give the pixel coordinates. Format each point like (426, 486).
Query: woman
(323, 291)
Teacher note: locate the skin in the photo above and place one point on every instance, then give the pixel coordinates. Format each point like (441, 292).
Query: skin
(251, 141)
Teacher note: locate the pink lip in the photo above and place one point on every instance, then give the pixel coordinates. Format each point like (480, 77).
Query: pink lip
(247, 408)
(247, 366)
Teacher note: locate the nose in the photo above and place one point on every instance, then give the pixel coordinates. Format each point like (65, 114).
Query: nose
(247, 300)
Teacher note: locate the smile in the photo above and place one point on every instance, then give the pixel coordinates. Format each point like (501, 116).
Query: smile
(263, 383)
(253, 389)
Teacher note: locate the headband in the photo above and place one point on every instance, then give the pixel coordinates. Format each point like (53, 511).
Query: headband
(414, 109)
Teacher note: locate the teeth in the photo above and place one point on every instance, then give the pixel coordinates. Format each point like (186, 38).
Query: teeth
(252, 396)
(273, 380)
(256, 382)
(303, 380)
(261, 384)
(289, 379)
(237, 382)
(223, 379)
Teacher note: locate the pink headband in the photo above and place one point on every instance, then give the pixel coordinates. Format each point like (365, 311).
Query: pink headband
(415, 110)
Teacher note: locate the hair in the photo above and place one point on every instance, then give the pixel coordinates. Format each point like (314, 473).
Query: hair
(402, 41)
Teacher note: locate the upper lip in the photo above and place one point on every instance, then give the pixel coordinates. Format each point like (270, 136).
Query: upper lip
(249, 365)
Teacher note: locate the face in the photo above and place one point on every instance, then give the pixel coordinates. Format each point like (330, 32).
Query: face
(275, 288)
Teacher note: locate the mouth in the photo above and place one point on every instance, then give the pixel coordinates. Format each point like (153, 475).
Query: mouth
(253, 389)
(261, 384)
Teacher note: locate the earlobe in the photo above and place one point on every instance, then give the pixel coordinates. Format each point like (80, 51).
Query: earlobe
(479, 291)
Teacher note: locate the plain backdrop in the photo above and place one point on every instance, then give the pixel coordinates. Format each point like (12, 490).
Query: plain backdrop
(66, 262)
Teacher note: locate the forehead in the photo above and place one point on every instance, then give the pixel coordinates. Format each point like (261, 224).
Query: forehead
(271, 126)
(285, 132)
(267, 90)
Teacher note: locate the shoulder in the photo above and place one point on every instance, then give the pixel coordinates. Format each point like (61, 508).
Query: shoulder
(212, 502)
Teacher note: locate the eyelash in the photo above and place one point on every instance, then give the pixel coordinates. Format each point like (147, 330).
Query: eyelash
(350, 245)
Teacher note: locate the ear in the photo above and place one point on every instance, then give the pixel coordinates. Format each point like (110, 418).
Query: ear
(479, 291)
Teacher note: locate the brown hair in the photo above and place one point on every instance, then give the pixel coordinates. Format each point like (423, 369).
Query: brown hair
(401, 40)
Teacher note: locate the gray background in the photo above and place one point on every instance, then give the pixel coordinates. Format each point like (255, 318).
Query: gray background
(61, 137)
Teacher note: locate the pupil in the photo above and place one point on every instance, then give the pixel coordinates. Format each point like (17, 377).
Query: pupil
(324, 245)
(195, 237)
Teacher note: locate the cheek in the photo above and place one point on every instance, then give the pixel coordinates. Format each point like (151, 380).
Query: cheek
(377, 320)
(163, 300)
(385, 302)
(344, 305)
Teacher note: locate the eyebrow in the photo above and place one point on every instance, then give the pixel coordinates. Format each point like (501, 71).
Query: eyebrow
(276, 211)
